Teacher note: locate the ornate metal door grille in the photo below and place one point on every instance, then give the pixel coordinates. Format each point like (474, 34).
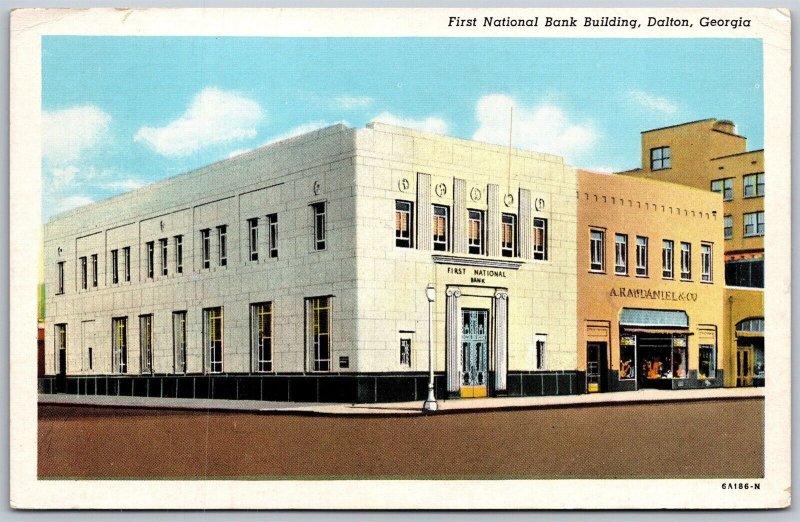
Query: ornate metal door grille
(475, 351)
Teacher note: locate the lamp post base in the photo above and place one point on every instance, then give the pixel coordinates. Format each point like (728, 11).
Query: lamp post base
(430, 405)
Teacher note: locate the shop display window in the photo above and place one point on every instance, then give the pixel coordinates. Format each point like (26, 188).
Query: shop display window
(627, 357)
(707, 368)
(663, 357)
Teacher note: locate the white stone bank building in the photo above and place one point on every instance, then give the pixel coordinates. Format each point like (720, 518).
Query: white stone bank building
(298, 272)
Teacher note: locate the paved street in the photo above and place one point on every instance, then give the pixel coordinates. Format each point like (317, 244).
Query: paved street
(710, 438)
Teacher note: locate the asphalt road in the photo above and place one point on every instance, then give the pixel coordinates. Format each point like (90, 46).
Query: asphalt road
(699, 439)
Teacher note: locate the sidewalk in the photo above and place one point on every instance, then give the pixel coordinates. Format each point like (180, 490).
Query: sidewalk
(407, 408)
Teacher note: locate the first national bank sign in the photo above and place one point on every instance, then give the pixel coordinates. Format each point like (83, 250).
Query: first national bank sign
(476, 275)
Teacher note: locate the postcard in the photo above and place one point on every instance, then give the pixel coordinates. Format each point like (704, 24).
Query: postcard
(574, 309)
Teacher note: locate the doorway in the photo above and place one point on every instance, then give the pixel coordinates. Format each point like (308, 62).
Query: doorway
(744, 365)
(474, 352)
(596, 367)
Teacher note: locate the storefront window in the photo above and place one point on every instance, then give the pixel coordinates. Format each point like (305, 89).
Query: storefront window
(708, 362)
(627, 357)
(662, 356)
(678, 364)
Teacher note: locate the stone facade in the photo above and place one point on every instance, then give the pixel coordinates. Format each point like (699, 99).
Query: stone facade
(376, 290)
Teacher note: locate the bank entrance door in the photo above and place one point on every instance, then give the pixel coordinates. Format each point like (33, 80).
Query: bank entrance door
(474, 352)
(596, 367)
(744, 366)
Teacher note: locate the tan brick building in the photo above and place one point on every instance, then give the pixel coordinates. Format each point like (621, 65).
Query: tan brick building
(650, 284)
(710, 155)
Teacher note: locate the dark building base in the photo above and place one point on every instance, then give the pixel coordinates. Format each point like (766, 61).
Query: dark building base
(301, 388)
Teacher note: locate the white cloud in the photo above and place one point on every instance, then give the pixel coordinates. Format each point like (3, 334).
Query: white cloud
(544, 128)
(300, 129)
(653, 102)
(214, 117)
(70, 202)
(64, 176)
(429, 124)
(67, 133)
(352, 102)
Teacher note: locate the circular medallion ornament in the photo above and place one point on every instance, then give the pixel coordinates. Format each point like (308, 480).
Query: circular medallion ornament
(317, 188)
(441, 189)
(161, 224)
(403, 184)
(538, 204)
(475, 194)
(60, 251)
(508, 199)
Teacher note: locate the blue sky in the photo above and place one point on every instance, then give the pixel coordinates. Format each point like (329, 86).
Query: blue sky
(121, 112)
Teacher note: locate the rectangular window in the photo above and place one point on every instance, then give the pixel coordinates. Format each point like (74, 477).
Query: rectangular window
(319, 225)
(213, 339)
(660, 158)
(475, 232)
(540, 239)
(94, 270)
(320, 332)
(597, 249)
(222, 235)
(60, 277)
(261, 323)
(679, 358)
(728, 227)
(724, 187)
(91, 358)
(403, 223)
(164, 256)
(540, 341)
(405, 352)
(441, 225)
(178, 254)
(706, 263)
(61, 347)
(667, 258)
(754, 224)
(686, 261)
(115, 266)
(754, 185)
(272, 223)
(621, 254)
(508, 245)
(708, 362)
(252, 235)
(205, 246)
(748, 273)
(84, 273)
(149, 261)
(126, 260)
(641, 256)
(627, 357)
(179, 341)
(119, 332)
(146, 342)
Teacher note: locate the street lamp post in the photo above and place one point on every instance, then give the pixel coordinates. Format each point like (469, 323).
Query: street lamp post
(430, 405)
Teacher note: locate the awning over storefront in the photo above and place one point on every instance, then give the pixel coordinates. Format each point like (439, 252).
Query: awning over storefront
(644, 317)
